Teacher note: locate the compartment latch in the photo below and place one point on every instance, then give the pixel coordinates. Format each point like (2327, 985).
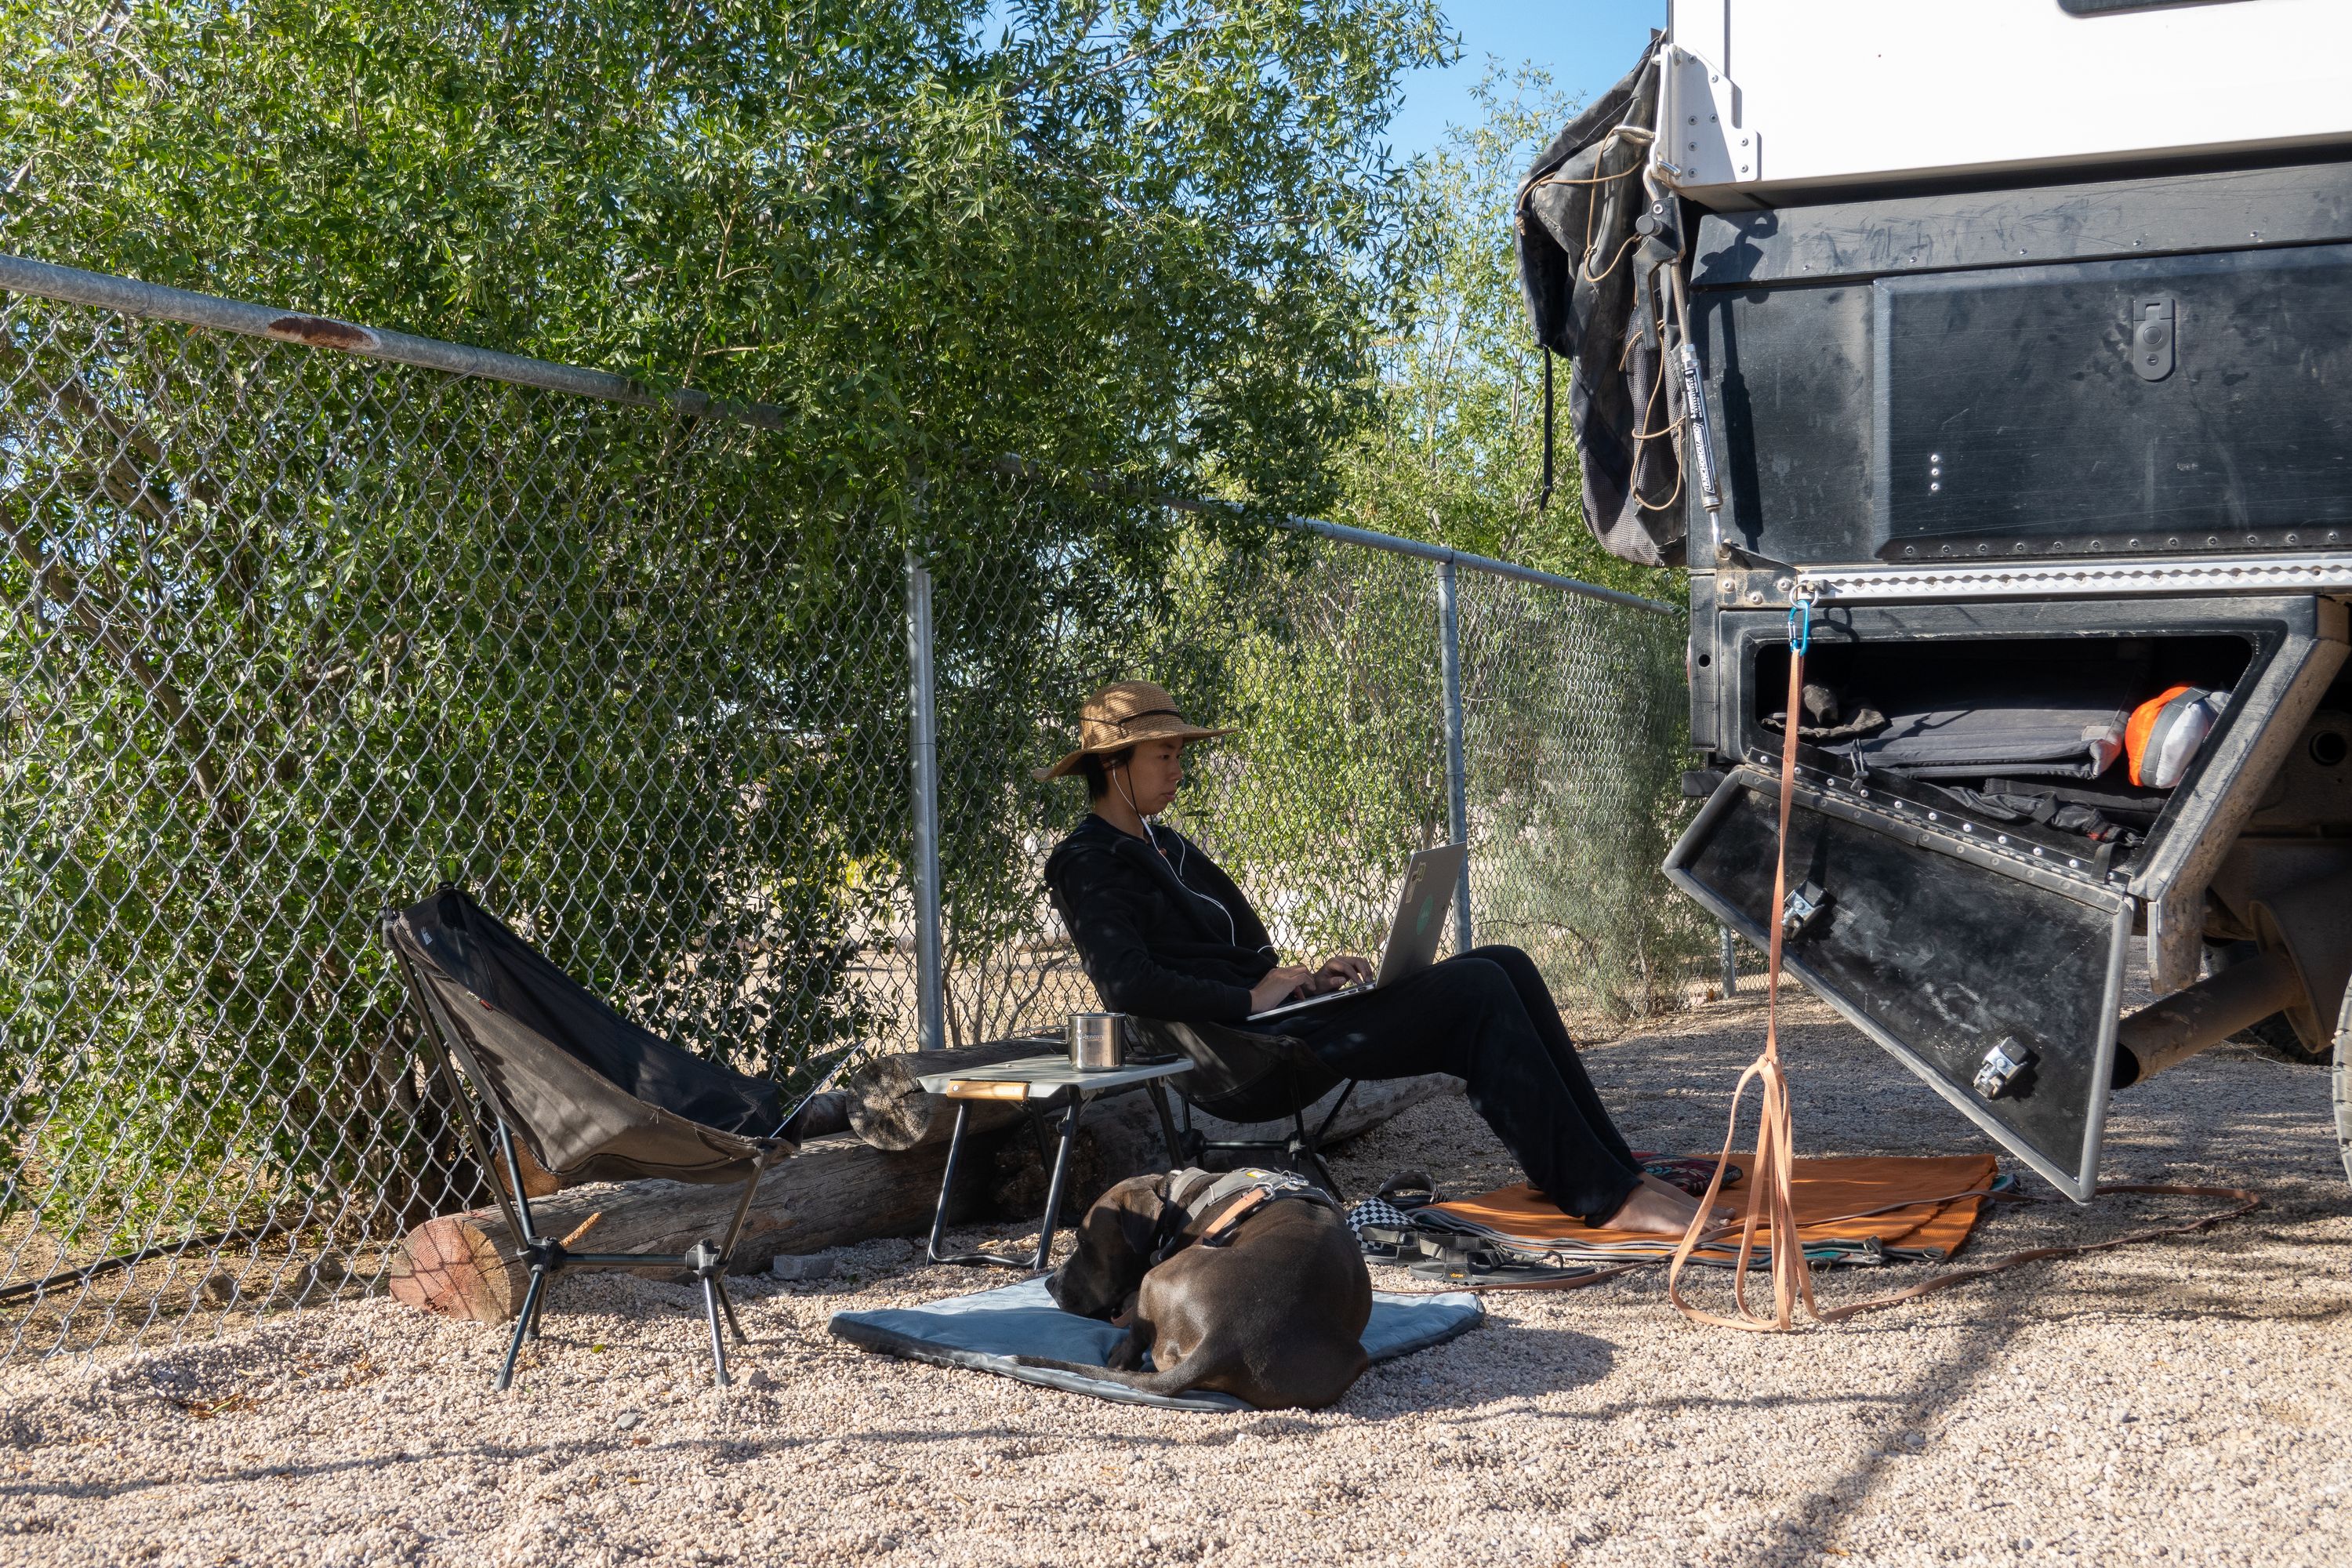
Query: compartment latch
(2005, 1068)
(1804, 906)
(2154, 326)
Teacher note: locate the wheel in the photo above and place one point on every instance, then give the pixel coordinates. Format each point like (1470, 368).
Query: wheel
(2273, 1037)
(2344, 1082)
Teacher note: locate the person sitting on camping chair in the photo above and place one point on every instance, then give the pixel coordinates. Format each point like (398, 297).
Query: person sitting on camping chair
(1164, 933)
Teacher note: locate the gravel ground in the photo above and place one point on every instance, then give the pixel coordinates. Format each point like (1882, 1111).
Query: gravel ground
(2181, 1402)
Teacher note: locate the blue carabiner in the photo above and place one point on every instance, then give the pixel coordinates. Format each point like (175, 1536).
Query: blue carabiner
(1800, 624)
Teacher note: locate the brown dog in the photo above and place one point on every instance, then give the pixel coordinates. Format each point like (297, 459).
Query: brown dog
(1271, 1310)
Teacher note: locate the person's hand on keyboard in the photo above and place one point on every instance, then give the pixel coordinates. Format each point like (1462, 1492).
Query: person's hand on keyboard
(1340, 971)
(1283, 982)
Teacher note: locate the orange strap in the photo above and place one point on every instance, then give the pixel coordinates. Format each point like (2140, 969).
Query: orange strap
(1776, 1201)
(1244, 1203)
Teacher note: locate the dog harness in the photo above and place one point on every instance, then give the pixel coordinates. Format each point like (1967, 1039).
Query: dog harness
(1223, 1204)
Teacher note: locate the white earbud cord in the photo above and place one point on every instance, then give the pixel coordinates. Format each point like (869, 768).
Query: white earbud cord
(1233, 932)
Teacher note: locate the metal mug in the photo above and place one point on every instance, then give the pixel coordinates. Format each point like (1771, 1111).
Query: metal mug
(1097, 1041)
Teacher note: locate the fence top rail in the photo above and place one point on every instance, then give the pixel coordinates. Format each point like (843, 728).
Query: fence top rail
(100, 291)
(1444, 555)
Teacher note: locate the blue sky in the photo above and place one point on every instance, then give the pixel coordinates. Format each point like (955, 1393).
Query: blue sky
(1585, 44)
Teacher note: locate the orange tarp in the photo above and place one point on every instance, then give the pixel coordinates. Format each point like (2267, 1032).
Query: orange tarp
(1918, 1194)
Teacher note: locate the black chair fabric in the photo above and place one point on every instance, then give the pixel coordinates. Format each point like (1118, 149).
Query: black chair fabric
(1239, 1075)
(594, 1097)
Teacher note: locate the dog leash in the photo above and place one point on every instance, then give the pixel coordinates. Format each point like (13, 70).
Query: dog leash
(1775, 1150)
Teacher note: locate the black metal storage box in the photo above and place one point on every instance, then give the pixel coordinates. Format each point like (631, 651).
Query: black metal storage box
(2146, 366)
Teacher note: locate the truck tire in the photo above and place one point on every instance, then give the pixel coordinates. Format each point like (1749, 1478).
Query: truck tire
(2344, 1082)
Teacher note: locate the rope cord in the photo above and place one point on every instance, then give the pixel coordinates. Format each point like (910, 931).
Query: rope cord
(1775, 1136)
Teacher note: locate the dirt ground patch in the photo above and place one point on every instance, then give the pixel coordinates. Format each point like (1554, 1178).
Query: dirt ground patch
(2182, 1402)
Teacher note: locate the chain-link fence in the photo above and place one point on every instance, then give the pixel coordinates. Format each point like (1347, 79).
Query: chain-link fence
(293, 633)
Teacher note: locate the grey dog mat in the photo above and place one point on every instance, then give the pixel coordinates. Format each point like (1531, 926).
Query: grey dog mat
(987, 1329)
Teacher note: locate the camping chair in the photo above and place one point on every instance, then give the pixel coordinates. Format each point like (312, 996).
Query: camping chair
(1240, 1075)
(593, 1097)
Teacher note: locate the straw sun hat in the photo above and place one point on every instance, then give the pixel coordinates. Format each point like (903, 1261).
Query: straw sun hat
(1122, 714)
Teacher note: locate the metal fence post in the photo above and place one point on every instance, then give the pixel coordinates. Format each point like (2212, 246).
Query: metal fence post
(1730, 964)
(1457, 783)
(923, 716)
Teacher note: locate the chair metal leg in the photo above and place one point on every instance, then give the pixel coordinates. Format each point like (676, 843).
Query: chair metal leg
(947, 1182)
(742, 1210)
(718, 1340)
(514, 1181)
(1061, 1177)
(1158, 1093)
(1339, 1105)
(726, 1305)
(523, 1326)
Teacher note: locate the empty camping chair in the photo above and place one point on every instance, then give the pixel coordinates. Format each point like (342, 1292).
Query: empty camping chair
(592, 1096)
(1241, 1076)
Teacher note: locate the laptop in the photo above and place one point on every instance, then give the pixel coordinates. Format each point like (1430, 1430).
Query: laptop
(1429, 878)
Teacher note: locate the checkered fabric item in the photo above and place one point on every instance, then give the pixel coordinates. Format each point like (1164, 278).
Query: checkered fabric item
(1376, 1212)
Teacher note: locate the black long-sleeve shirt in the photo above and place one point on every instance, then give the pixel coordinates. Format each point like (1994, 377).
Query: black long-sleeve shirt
(1162, 932)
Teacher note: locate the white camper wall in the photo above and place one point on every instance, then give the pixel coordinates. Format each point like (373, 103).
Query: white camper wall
(1778, 96)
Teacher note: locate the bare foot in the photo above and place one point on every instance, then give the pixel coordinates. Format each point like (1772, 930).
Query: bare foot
(1724, 1213)
(1649, 1209)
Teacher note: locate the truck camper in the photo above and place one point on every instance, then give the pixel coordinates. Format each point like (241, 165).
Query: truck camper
(2003, 349)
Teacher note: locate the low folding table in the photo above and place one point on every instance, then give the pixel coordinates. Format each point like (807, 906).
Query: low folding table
(1039, 1084)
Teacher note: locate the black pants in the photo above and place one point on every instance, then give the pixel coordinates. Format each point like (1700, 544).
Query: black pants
(1486, 1017)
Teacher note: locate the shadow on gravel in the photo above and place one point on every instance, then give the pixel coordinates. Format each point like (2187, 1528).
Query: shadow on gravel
(1940, 1383)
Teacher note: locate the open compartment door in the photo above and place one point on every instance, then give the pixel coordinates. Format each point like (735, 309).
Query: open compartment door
(1944, 951)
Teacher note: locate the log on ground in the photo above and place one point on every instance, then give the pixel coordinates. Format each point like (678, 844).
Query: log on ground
(889, 1109)
(831, 1195)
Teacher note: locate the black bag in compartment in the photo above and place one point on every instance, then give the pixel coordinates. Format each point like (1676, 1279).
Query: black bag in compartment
(2065, 721)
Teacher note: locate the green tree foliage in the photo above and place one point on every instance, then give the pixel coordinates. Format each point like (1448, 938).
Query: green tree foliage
(1124, 237)
(292, 636)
